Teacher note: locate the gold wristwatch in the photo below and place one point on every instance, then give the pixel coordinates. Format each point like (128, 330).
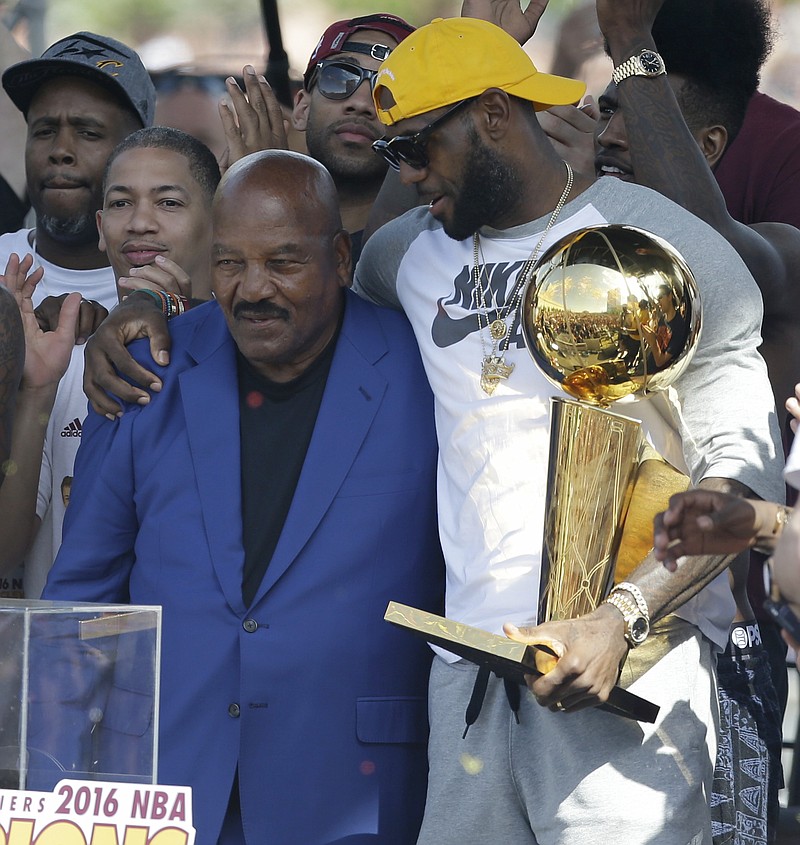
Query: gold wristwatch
(645, 63)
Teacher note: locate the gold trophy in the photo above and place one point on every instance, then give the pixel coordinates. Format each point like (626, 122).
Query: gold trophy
(609, 311)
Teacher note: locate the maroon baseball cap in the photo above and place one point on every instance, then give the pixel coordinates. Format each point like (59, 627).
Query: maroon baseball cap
(335, 38)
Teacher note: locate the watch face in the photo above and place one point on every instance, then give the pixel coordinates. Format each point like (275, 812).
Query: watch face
(639, 630)
(651, 62)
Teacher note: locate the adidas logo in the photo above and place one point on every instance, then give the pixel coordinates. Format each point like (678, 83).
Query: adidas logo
(72, 429)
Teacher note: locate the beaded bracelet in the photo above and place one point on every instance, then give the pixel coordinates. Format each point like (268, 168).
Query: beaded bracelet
(171, 304)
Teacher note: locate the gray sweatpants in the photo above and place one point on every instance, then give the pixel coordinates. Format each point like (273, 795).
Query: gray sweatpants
(573, 778)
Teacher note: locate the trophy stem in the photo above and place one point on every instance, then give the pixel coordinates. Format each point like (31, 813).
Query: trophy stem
(594, 456)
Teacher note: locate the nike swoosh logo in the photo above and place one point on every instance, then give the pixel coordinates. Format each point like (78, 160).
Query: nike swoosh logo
(447, 331)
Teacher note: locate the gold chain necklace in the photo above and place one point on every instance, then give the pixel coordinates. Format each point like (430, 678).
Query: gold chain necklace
(493, 365)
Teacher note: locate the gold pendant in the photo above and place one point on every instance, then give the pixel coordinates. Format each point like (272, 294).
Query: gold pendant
(498, 329)
(493, 370)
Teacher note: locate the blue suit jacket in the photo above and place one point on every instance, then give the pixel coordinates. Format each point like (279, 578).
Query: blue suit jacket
(319, 703)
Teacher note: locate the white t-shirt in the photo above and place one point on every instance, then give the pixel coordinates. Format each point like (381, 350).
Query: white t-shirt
(61, 444)
(719, 419)
(99, 285)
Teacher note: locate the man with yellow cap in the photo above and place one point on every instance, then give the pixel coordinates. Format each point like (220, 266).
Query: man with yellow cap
(459, 98)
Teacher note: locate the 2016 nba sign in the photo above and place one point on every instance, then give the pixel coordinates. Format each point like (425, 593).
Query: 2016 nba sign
(97, 813)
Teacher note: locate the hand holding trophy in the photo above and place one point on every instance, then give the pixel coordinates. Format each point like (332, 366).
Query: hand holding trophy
(608, 312)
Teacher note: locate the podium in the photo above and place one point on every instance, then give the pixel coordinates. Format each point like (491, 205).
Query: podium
(79, 693)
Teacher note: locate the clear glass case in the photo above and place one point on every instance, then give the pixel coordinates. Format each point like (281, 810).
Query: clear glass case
(79, 692)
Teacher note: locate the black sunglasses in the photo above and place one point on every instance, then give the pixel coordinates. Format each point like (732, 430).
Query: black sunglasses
(337, 79)
(412, 148)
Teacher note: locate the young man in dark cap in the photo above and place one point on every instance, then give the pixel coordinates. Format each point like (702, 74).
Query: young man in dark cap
(498, 196)
(336, 112)
(333, 110)
(80, 99)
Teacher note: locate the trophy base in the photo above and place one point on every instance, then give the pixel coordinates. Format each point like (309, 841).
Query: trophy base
(506, 658)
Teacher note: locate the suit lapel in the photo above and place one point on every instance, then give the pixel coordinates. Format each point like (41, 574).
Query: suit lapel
(352, 397)
(210, 396)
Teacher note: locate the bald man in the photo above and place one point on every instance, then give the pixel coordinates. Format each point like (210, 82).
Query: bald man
(273, 497)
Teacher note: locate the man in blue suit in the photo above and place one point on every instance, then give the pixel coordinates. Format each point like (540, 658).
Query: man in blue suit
(272, 497)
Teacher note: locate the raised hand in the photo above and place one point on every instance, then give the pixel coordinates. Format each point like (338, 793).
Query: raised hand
(627, 18)
(47, 354)
(252, 119)
(509, 15)
(571, 131)
(709, 522)
(163, 275)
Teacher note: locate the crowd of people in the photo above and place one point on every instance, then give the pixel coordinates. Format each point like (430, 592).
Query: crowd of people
(309, 395)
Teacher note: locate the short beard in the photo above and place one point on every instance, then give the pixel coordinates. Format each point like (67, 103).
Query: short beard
(363, 166)
(78, 230)
(489, 188)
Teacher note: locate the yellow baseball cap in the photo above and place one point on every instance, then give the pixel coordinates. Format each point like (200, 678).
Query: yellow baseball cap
(456, 58)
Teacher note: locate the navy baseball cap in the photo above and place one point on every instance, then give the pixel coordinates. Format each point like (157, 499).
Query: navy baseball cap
(98, 58)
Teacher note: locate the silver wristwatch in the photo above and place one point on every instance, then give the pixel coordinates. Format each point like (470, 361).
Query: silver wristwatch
(637, 623)
(645, 63)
